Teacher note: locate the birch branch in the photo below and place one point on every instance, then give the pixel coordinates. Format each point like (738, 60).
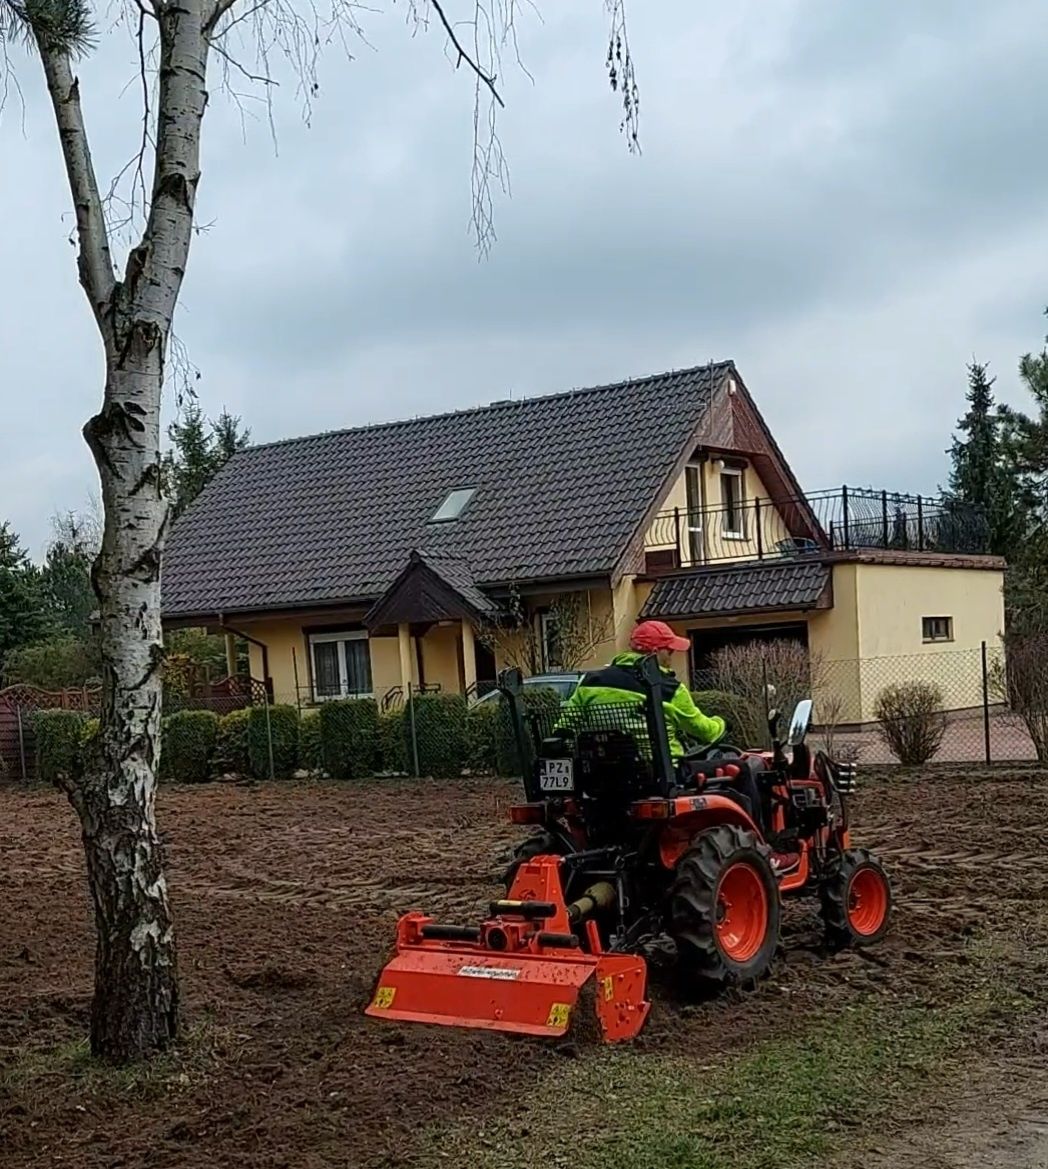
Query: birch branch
(94, 261)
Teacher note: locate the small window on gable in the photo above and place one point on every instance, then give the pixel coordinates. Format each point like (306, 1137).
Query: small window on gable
(937, 628)
(454, 505)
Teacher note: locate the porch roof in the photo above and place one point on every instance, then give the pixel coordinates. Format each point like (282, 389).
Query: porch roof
(431, 587)
(743, 588)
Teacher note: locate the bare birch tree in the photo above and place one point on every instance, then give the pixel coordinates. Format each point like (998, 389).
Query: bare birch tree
(135, 1009)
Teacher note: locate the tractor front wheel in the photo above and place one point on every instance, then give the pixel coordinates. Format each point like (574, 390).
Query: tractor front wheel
(856, 900)
(724, 907)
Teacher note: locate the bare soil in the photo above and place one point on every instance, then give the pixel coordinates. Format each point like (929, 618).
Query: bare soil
(286, 896)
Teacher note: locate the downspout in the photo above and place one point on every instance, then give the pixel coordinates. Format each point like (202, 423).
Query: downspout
(267, 681)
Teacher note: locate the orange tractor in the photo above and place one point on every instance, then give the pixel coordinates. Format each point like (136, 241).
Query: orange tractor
(638, 858)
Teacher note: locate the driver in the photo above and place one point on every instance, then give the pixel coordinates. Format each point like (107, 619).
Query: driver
(620, 684)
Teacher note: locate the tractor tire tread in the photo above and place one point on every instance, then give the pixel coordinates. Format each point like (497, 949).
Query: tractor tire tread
(833, 907)
(693, 906)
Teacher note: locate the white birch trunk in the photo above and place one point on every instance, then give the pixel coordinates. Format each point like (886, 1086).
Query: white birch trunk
(135, 1008)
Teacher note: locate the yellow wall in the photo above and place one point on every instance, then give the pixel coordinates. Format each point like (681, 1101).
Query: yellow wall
(440, 658)
(892, 599)
(662, 534)
(286, 644)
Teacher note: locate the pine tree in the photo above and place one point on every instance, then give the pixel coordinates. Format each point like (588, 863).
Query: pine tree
(200, 448)
(980, 481)
(22, 616)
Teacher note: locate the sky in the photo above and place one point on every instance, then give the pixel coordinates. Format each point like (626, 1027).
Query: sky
(846, 199)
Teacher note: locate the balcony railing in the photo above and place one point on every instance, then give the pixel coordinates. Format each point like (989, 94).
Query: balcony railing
(844, 519)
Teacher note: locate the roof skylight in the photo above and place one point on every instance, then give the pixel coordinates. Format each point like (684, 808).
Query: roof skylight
(454, 505)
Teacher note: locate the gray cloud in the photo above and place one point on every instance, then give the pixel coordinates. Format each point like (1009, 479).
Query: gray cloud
(846, 199)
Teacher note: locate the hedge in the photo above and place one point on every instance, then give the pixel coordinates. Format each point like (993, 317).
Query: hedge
(231, 747)
(537, 701)
(720, 702)
(482, 737)
(188, 746)
(349, 734)
(439, 725)
(310, 743)
(59, 739)
(280, 722)
(394, 751)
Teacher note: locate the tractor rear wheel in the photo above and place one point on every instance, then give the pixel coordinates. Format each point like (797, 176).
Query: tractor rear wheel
(724, 907)
(856, 900)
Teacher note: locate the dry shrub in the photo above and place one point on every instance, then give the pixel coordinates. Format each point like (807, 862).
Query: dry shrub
(744, 672)
(1020, 681)
(911, 721)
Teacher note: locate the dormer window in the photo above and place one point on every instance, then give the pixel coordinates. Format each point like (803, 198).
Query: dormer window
(454, 505)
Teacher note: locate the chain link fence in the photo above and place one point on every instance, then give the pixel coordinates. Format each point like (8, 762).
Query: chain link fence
(977, 706)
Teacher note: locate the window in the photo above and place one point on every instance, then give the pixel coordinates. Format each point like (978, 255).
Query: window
(454, 505)
(549, 640)
(733, 518)
(341, 664)
(693, 494)
(937, 628)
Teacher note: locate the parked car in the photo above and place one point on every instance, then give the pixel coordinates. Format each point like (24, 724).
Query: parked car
(565, 685)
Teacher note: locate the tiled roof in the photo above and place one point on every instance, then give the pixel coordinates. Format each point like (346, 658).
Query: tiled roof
(456, 572)
(745, 588)
(562, 485)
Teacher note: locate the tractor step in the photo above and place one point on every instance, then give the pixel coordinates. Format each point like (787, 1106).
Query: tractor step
(511, 974)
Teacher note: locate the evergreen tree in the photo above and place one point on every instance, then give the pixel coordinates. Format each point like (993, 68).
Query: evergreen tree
(200, 448)
(981, 485)
(65, 578)
(23, 619)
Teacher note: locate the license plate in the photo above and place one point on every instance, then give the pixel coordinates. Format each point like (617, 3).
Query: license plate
(556, 775)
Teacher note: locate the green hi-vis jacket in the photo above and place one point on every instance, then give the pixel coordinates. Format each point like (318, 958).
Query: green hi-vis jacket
(621, 685)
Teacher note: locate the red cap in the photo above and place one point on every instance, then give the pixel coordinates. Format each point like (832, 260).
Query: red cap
(650, 636)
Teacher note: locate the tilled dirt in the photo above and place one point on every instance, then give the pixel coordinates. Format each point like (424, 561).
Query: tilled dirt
(286, 897)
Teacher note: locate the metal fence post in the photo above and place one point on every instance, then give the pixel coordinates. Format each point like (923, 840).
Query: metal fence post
(844, 504)
(269, 740)
(986, 703)
(676, 536)
(757, 524)
(884, 518)
(414, 732)
(920, 524)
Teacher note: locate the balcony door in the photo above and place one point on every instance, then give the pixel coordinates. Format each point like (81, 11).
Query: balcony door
(693, 544)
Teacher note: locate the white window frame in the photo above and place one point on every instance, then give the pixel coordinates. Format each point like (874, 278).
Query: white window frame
(695, 517)
(739, 475)
(546, 619)
(343, 635)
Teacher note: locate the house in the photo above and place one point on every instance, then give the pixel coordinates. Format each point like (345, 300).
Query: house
(362, 561)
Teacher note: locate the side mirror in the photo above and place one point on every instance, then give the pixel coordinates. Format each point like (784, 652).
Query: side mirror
(800, 722)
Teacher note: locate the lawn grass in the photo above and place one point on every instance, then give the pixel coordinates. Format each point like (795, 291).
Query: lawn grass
(784, 1103)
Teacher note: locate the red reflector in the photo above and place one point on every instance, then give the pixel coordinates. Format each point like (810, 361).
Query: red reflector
(527, 814)
(652, 809)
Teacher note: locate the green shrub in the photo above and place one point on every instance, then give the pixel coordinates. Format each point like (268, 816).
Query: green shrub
(538, 703)
(482, 737)
(231, 747)
(349, 733)
(188, 745)
(393, 746)
(281, 724)
(310, 743)
(728, 706)
(91, 745)
(59, 738)
(438, 722)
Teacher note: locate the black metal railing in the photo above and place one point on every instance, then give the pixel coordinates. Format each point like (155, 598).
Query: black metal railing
(843, 519)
